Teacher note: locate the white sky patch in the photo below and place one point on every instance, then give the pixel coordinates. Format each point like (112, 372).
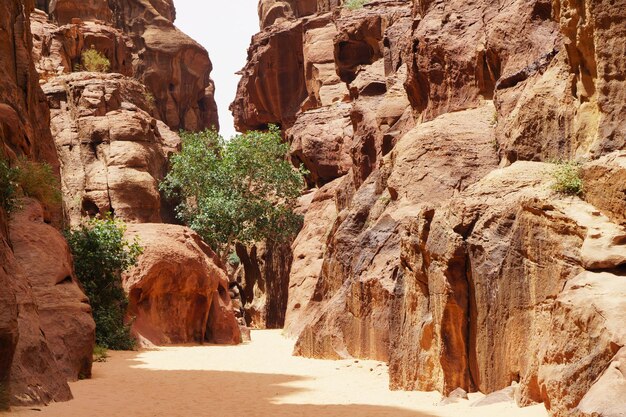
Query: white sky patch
(224, 29)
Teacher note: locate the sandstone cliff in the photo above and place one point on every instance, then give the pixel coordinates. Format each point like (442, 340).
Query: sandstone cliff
(108, 137)
(43, 308)
(429, 239)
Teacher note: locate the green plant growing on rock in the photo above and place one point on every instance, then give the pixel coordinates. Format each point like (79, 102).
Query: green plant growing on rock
(100, 353)
(94, 61)
(149, 97)
(101, 254)
(238, 191)
(8, 186)
(37, 180)
(355, 4)
(28, 179)
(566, 176)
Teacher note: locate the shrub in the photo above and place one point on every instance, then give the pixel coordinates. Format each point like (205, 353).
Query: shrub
(149, 97)
(567, 178)
(37, 180)
(100, 353)
(233, 259)
(243, 190)
(101, 255)
(95, 61)
(8, 186)
(355, 4)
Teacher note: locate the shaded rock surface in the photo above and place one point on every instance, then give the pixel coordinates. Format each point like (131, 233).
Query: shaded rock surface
(429, 239)
(177, 292)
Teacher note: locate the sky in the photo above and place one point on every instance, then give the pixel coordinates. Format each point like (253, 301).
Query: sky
(224, 29)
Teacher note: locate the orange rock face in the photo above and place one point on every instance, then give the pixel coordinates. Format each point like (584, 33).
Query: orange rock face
(177, 292)
(113, 161)
(140, 39)
(60, 316)
(46, 330)
(427, 241)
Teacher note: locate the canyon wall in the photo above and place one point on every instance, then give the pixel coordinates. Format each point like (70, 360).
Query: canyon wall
(433, 238)
(107, 137)
(43, 308)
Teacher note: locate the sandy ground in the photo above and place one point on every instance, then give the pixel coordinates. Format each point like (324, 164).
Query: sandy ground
(256, 379)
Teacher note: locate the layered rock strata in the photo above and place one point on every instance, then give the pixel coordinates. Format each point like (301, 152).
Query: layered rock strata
(428, 241)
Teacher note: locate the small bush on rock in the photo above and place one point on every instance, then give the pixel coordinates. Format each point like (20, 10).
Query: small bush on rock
(95, 61)
(101, 255)
(8, 186)
(29, 179)
(37, 180)
(355, 4)
(567, 178)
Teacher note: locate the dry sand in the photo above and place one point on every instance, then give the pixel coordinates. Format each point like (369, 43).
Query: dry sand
(259, 379)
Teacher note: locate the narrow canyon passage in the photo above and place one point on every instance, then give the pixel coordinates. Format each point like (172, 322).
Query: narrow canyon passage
(260, 378)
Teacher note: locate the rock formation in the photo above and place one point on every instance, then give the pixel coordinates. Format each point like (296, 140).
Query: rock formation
(109, 136)
(177, 292)
(139, 39)
(39, 352)
(429, 240)
(113, 152)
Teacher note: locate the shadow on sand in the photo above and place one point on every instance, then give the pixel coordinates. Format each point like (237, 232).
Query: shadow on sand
(141, 392)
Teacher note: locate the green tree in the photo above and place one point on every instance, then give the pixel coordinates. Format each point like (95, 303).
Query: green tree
(101, 255)
(243, 190)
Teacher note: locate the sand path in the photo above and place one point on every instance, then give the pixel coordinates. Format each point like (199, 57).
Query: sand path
(259, 379)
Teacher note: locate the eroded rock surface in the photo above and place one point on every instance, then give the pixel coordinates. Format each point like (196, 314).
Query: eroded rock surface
(177, 292)
(38, 353)
(416, 247)
(140, 39)
(112, 151)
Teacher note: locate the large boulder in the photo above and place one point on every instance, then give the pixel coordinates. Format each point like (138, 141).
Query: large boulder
(178, 293)
(55, 330)
(64, 311)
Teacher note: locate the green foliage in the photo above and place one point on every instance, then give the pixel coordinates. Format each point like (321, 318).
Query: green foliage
(101, 255)
(28, 178)
(37, 180)
(100, 353)
(233, 259)
(567, 180)
(149, 97)
(8, 186)
(95, 61)
(242, 190)
(355, 4)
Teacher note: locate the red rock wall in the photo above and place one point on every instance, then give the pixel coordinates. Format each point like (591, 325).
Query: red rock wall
(105, 133)
(416, 247)
(44, 312)
(140, 39)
